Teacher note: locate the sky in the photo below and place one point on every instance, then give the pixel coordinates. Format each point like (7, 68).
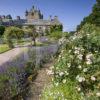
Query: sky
(69, 12)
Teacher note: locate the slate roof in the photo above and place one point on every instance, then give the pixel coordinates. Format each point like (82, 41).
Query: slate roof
(41, 22)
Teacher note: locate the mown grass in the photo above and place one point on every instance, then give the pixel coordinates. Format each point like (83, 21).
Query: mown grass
(4, 48)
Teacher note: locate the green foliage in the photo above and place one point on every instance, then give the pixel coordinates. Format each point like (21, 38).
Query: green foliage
(29, 68)
(54, 28)
(9, 84)
(32, 32)
(61, 92)
(13, 32)
(56, 34)
(93, 18)
(4, 48)
(2, 29)
(79, 63)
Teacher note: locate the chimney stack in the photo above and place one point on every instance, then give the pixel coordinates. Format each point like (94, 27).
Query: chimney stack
(18, 17)
(50, 17)
(55, 17)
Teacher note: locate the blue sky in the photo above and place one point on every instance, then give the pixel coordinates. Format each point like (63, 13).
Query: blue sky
(70, 12)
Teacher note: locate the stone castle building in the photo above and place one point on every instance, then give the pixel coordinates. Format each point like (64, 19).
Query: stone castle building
(32, 17)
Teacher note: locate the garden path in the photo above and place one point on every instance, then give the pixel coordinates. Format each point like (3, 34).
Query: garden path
(43, 79)
(9, 55)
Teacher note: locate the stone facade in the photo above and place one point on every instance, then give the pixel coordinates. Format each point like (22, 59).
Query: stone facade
(33, 14)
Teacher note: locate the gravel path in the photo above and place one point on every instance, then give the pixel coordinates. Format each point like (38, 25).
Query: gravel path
(42, 79)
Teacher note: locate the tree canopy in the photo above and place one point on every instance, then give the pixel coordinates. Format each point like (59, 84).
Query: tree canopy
(31, 30)
(93, 18)
(2, 29)
(13, 32)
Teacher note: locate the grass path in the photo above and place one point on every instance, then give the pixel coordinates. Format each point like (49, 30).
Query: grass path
(42, 79)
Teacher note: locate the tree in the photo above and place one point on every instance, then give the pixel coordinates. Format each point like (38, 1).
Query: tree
(56, 34)
(56, 28)
(96, 14)
(93, 18)
(2, 29)
(13, 32)
(32, 33)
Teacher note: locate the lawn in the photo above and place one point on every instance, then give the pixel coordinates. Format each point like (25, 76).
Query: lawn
(4, 48)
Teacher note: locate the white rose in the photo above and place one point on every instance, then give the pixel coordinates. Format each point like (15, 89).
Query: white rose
(79, 66)
(66, 73)
(85, 70)
(89, 56)
(81, 79)
(76, 52)
(61, 73)
(79, 89)
(93, 78)
(64, 81)
(59, 56)
(80, 56)
(56, 84)
(98, 94)
(88, 62)
(68, 64)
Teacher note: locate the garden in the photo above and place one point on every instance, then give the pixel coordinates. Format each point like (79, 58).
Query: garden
(20, 71)
(77, 68)
(75, 58)
(76, 71)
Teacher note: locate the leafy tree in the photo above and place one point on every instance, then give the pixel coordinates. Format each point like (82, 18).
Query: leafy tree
(2, 29)
(32, 33)
(93, 18)
(56, 34)
(56, 28)
(13, 32)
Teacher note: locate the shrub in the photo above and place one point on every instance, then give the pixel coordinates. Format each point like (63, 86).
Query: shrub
(29, 68)
(13, 32)
(56, 34)
(2, 29)
(79, 63)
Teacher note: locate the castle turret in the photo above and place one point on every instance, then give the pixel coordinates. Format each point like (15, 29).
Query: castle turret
(50, 17)
(33, 14)
(18, 17)
(26, 13)
(56, 18)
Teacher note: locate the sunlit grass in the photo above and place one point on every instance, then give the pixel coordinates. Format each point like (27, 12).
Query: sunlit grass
(4, 48)
(61, 92)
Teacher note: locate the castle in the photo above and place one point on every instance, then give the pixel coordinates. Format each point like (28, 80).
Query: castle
(32, 17)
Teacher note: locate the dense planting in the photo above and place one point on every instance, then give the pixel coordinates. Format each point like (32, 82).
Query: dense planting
(77, 69)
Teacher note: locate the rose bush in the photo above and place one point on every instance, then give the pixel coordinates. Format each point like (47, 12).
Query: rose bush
(79, 62)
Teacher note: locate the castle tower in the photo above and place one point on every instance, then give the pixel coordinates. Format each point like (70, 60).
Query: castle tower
(33, 14)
